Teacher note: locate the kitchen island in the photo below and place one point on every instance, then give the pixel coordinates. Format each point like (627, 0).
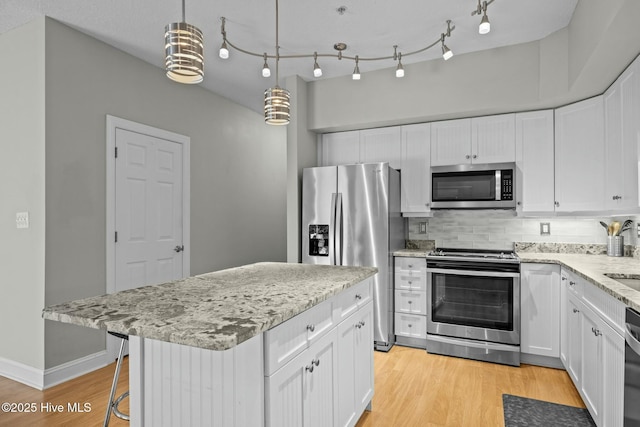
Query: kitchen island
(263, 344)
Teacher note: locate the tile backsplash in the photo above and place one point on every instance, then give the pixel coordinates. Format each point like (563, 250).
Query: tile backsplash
(500, 229)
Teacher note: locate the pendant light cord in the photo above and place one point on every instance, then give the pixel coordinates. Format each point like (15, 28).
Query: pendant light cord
(183, 15)
(277, 46)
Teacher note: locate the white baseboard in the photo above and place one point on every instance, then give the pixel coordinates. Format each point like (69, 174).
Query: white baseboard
(43, 379)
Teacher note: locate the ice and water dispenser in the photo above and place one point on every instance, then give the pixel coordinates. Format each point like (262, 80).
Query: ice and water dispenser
(318, 240)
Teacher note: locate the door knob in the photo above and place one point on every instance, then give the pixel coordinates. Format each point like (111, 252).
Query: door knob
(179, 248)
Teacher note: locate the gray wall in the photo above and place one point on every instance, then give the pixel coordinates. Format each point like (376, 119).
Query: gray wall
(22, 189)
(238, 178)
(574, 63)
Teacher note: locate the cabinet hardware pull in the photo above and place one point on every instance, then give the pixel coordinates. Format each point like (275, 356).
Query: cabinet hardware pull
(179, 248)
(358, 325)
(309, 368)
(556, 203)
(409, 324)
(564, 278)
(597, 332)
(475, 156)
(362, 322)
(575, 310)
(311, 328)
(571, 283)
(410, 302)
(358, 296)
(467, 157)
(315, 362)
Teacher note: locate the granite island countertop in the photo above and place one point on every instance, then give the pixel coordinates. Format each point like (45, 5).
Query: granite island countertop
(215, 311)
(593, 268)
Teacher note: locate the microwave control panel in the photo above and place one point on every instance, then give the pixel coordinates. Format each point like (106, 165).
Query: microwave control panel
(507, 184)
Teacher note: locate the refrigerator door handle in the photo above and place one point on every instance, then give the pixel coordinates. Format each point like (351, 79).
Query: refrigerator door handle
(338, 230)
(332, 231)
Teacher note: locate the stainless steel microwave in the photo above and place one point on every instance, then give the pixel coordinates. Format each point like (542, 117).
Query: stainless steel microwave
(473, 186)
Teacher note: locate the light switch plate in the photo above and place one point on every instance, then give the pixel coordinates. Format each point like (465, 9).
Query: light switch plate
(423, 228)
(545, 228)
(22, 219)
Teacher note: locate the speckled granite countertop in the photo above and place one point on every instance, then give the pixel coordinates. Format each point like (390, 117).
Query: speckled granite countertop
(592, 268)
(419, 253)
(216, 311)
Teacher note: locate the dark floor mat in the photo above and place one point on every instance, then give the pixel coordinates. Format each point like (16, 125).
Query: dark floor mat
(521, 411)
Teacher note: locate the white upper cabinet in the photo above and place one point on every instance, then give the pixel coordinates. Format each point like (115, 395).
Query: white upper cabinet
(621, 124)
(381, 145)
(534, 162)
(416, 165)
(366, 146)
(451, 142)
(488, 139)
(493, 139)
(580, 154)
(340, 148)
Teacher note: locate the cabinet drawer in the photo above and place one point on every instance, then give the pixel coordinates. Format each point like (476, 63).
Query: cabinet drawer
(409, 325)
(411, 302)
(290, 338)
(574, 283)
(606, 306)
(410, 263)
(407, 281)
(349, 301)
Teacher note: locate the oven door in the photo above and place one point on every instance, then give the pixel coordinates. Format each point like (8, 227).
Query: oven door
(479, 305)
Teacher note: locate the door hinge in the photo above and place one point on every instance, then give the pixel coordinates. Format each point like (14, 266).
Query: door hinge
(116, 152)
(116, 237)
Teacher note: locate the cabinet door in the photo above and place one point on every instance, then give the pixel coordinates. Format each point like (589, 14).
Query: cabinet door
(493, 139)
(320, 380)
(340, 148)
(574, 340)
(621, 127)
(411, 326)
(580, 177)
(451, 142)
(612, 376)
(564, 320)
(416, 169)
(381, 145)
(364, 358)
(592, 353)
(534, 161)
(284, 399)
(540, 309)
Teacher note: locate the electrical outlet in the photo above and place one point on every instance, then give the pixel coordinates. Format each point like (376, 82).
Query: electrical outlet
(22, 219)
(423, 228)
(638, 229)
(545, 229)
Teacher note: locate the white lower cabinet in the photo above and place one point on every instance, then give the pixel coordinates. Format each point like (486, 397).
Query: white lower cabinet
(355, 366)
(301, 393)
(328, 382)
(593, 350)
(540, 309)
(410, 283)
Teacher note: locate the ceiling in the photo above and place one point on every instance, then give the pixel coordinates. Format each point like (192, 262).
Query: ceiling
(370, 29)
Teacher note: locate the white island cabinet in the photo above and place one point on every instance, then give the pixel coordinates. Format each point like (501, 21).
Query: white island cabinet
(269, 344)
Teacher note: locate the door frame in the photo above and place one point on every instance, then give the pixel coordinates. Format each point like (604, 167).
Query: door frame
(113, 123)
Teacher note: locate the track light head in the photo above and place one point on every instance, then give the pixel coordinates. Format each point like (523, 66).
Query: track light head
(224, 50)
(266, 72)
(485, 25)
(317, 71)
(356, 71)
(400, 68)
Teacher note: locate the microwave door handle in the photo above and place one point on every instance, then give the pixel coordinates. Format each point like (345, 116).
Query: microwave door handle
(472, 273)
(498, 184)
(332, 231)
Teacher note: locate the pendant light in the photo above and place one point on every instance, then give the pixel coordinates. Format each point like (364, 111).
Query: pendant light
(184, 46)
(276, 99)
(481, 9)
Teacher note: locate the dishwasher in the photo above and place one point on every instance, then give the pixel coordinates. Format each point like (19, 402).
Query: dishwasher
(632, 369)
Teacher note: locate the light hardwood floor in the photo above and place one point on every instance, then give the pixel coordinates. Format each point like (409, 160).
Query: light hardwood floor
(412, 388)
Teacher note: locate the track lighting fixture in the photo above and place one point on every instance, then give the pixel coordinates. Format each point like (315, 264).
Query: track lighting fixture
(356, 70)
(400, 68)
(184, 60)
(266, 72)
(446, 52)
(184, 47)
(317, 71)
(485, 25)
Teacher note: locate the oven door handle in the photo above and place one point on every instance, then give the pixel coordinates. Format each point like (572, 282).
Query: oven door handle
(472, 273)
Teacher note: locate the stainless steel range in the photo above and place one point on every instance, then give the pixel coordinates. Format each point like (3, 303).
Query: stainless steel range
(473, 298)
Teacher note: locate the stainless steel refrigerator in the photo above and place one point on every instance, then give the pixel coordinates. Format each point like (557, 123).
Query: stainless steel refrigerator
(351, 216)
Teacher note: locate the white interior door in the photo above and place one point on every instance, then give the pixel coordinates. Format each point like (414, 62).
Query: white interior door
(149, 246)
(148, 200)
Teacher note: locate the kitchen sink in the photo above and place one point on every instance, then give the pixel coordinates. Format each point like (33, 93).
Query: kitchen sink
(630, 280)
